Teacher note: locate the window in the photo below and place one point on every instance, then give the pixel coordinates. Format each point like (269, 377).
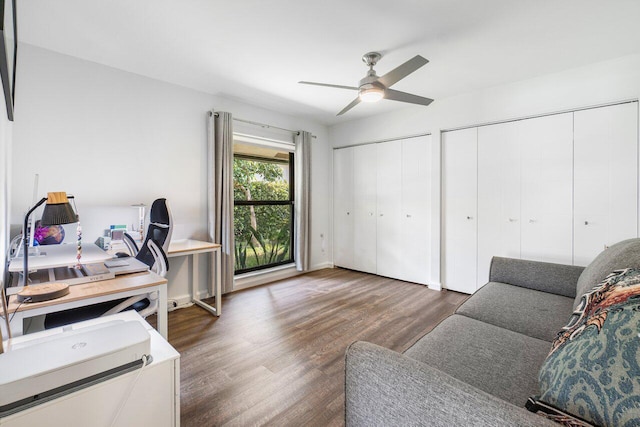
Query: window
(263, 207)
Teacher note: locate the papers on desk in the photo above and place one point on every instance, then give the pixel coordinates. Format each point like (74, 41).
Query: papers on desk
(126, 265)
(69, 275)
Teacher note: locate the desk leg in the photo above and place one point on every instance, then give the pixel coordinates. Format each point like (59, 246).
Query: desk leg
(217, 264)
(216, 311)
(163, 316)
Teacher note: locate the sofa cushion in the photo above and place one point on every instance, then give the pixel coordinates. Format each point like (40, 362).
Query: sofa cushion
(593, 368)
(384, 388)
(533, 313)
(495, 360)
(541, 276)
(625, 254)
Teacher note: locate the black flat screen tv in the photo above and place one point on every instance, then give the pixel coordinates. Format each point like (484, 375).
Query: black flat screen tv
(8, 52)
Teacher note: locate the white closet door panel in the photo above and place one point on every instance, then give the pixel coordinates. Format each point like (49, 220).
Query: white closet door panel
(343, 207)
(416, 214)
(499, 181)
(459, 152)
(547, 186)
(605, 178)
(389, 208)
(365, 195)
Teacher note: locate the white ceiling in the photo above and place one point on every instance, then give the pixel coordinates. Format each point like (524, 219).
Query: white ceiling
(256, 51)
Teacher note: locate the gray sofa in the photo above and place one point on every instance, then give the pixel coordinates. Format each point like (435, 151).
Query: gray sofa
(479, 365)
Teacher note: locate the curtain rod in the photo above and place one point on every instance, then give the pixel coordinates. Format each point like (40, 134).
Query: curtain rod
(263, 125)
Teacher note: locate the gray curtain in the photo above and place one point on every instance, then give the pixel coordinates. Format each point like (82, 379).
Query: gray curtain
(302, 199)
(220, 190)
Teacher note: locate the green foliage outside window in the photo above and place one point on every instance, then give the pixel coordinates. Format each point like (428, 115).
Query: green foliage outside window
(262, 231)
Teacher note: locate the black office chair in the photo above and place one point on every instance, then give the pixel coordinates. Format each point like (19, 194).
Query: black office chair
(160, 229)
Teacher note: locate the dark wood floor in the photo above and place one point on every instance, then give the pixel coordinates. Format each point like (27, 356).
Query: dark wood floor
(276, 355)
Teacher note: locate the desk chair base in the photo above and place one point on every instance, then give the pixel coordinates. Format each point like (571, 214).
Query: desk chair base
(44, 292)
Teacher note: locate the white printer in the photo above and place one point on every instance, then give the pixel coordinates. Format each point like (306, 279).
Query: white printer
(43, 366)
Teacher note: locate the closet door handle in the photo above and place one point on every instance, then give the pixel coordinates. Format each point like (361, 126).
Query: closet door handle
(531, 221)
(586, 223)
(408, 215)
(469, 217)
(512, 220)
(381, 214)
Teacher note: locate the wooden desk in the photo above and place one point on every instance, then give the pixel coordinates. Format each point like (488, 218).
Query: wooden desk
(192, 248)
(123, 286)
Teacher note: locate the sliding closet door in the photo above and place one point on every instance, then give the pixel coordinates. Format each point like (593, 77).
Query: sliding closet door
(460, 199)
(389, 208)
(343, 207)
(606, 178)
(547, 181)
(364, 207)
(416, 218)
(499, 181)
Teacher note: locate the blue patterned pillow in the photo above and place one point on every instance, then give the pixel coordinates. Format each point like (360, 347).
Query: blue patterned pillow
(593, 370)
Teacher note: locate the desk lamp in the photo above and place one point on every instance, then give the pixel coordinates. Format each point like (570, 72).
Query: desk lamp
(57, 211)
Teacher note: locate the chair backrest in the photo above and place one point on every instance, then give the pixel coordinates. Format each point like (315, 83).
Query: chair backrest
(161, 264)
(160, 230)
(130, 243)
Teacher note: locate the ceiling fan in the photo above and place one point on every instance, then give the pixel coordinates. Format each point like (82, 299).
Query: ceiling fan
(373, 88)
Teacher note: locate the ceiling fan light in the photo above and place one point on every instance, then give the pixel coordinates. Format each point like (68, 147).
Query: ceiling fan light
(370, 93)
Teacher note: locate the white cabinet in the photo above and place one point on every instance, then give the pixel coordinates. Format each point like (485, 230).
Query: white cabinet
(460, 204)
(547, 181)
(150, 397)
(382, 215)
(389, 209)
(415, 214)
(605, 178)
(343, 207)
(499, 195)
(557, 188)
(364, 208)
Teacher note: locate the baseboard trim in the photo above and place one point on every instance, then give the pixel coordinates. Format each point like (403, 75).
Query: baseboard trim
(435, 286)
(321, 266)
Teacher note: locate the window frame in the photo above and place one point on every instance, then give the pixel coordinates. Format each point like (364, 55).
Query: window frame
(289, 202)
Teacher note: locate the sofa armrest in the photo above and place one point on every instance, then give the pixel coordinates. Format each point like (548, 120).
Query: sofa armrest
(557, 279)
(384, 388)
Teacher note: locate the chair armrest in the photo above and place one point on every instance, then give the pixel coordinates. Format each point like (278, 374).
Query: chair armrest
(384, 388)
(557, 279)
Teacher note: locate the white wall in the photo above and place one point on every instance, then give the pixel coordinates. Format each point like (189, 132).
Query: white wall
(596, 84)
(113, 139)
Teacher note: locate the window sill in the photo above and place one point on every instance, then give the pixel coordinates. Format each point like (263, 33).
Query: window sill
(260, 277)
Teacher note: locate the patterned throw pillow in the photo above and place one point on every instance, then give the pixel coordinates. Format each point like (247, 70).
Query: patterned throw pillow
(592, 374)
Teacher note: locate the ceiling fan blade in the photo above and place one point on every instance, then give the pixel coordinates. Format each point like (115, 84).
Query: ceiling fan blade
(329, 85)
(350, 106)
(402, 71)
(396, 95)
